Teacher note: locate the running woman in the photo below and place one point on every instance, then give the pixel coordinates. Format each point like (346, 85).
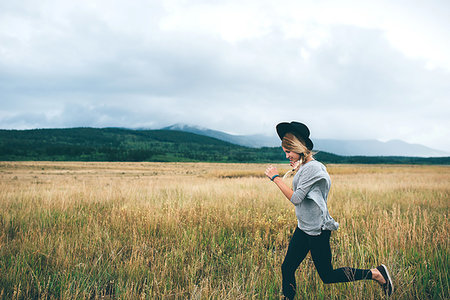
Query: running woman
(311, 185)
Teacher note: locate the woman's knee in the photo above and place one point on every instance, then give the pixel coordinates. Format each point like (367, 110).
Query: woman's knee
(326, 278)
(326, 274)
(286, 268)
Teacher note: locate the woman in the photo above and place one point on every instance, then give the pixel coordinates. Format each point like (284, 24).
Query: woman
(311, 185)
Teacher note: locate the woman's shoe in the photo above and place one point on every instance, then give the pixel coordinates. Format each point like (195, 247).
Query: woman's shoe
(388, 287)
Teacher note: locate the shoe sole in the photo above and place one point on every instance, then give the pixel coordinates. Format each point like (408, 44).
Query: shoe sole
(389, 278)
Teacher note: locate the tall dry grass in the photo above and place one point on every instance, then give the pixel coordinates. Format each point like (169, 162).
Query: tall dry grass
(211, 231)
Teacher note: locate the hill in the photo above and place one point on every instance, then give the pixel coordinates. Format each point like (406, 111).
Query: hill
(118, 144)
(374, 147)
(253, 141)
(339, 147)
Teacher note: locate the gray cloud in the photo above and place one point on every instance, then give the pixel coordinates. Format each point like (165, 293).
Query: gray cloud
(77, 66)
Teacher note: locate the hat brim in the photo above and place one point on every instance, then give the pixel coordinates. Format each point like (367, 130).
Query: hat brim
(301, 133)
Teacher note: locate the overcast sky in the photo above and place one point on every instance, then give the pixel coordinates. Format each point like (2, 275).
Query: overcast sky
(348, 69)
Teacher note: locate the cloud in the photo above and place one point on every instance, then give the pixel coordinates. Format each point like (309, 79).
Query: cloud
(79, 63)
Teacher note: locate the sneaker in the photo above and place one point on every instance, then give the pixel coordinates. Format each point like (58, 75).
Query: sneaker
(388, 287)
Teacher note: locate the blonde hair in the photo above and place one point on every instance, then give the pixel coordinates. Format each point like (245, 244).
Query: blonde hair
(292, 143)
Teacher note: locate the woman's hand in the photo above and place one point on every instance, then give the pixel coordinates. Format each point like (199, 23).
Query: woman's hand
(271, 171)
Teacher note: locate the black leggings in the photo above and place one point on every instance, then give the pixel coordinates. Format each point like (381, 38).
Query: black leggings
(300, 244)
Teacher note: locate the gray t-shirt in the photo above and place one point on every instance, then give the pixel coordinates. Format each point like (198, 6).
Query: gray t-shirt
(311, 185)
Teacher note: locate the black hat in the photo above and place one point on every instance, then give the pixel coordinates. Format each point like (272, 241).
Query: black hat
(298, 129)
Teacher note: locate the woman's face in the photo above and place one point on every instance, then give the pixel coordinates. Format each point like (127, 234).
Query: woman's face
(292, 156)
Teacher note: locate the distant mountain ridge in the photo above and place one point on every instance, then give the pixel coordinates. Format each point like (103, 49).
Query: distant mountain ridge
(121, 144)
(377, 148)
(254, 141)
(338, 147)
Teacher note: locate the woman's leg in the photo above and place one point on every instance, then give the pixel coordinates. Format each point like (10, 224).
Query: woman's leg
(321, 255)
(297, 250)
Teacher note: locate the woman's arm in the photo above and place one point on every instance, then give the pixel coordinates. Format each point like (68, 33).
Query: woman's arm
(286, 190)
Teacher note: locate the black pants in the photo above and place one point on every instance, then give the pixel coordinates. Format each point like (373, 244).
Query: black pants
(300, 244)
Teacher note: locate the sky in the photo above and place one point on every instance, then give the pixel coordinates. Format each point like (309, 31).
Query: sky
(348, 69)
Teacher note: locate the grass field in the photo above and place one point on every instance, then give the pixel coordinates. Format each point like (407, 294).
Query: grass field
(211, 231)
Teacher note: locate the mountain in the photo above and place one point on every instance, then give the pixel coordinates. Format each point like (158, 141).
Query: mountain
(119, 144)
(339, 147)
(254, 141)
(376, 148)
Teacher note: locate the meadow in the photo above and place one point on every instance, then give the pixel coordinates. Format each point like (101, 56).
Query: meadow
(84, 230)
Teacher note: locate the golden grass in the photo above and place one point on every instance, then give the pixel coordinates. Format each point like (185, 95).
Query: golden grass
(75, 230)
